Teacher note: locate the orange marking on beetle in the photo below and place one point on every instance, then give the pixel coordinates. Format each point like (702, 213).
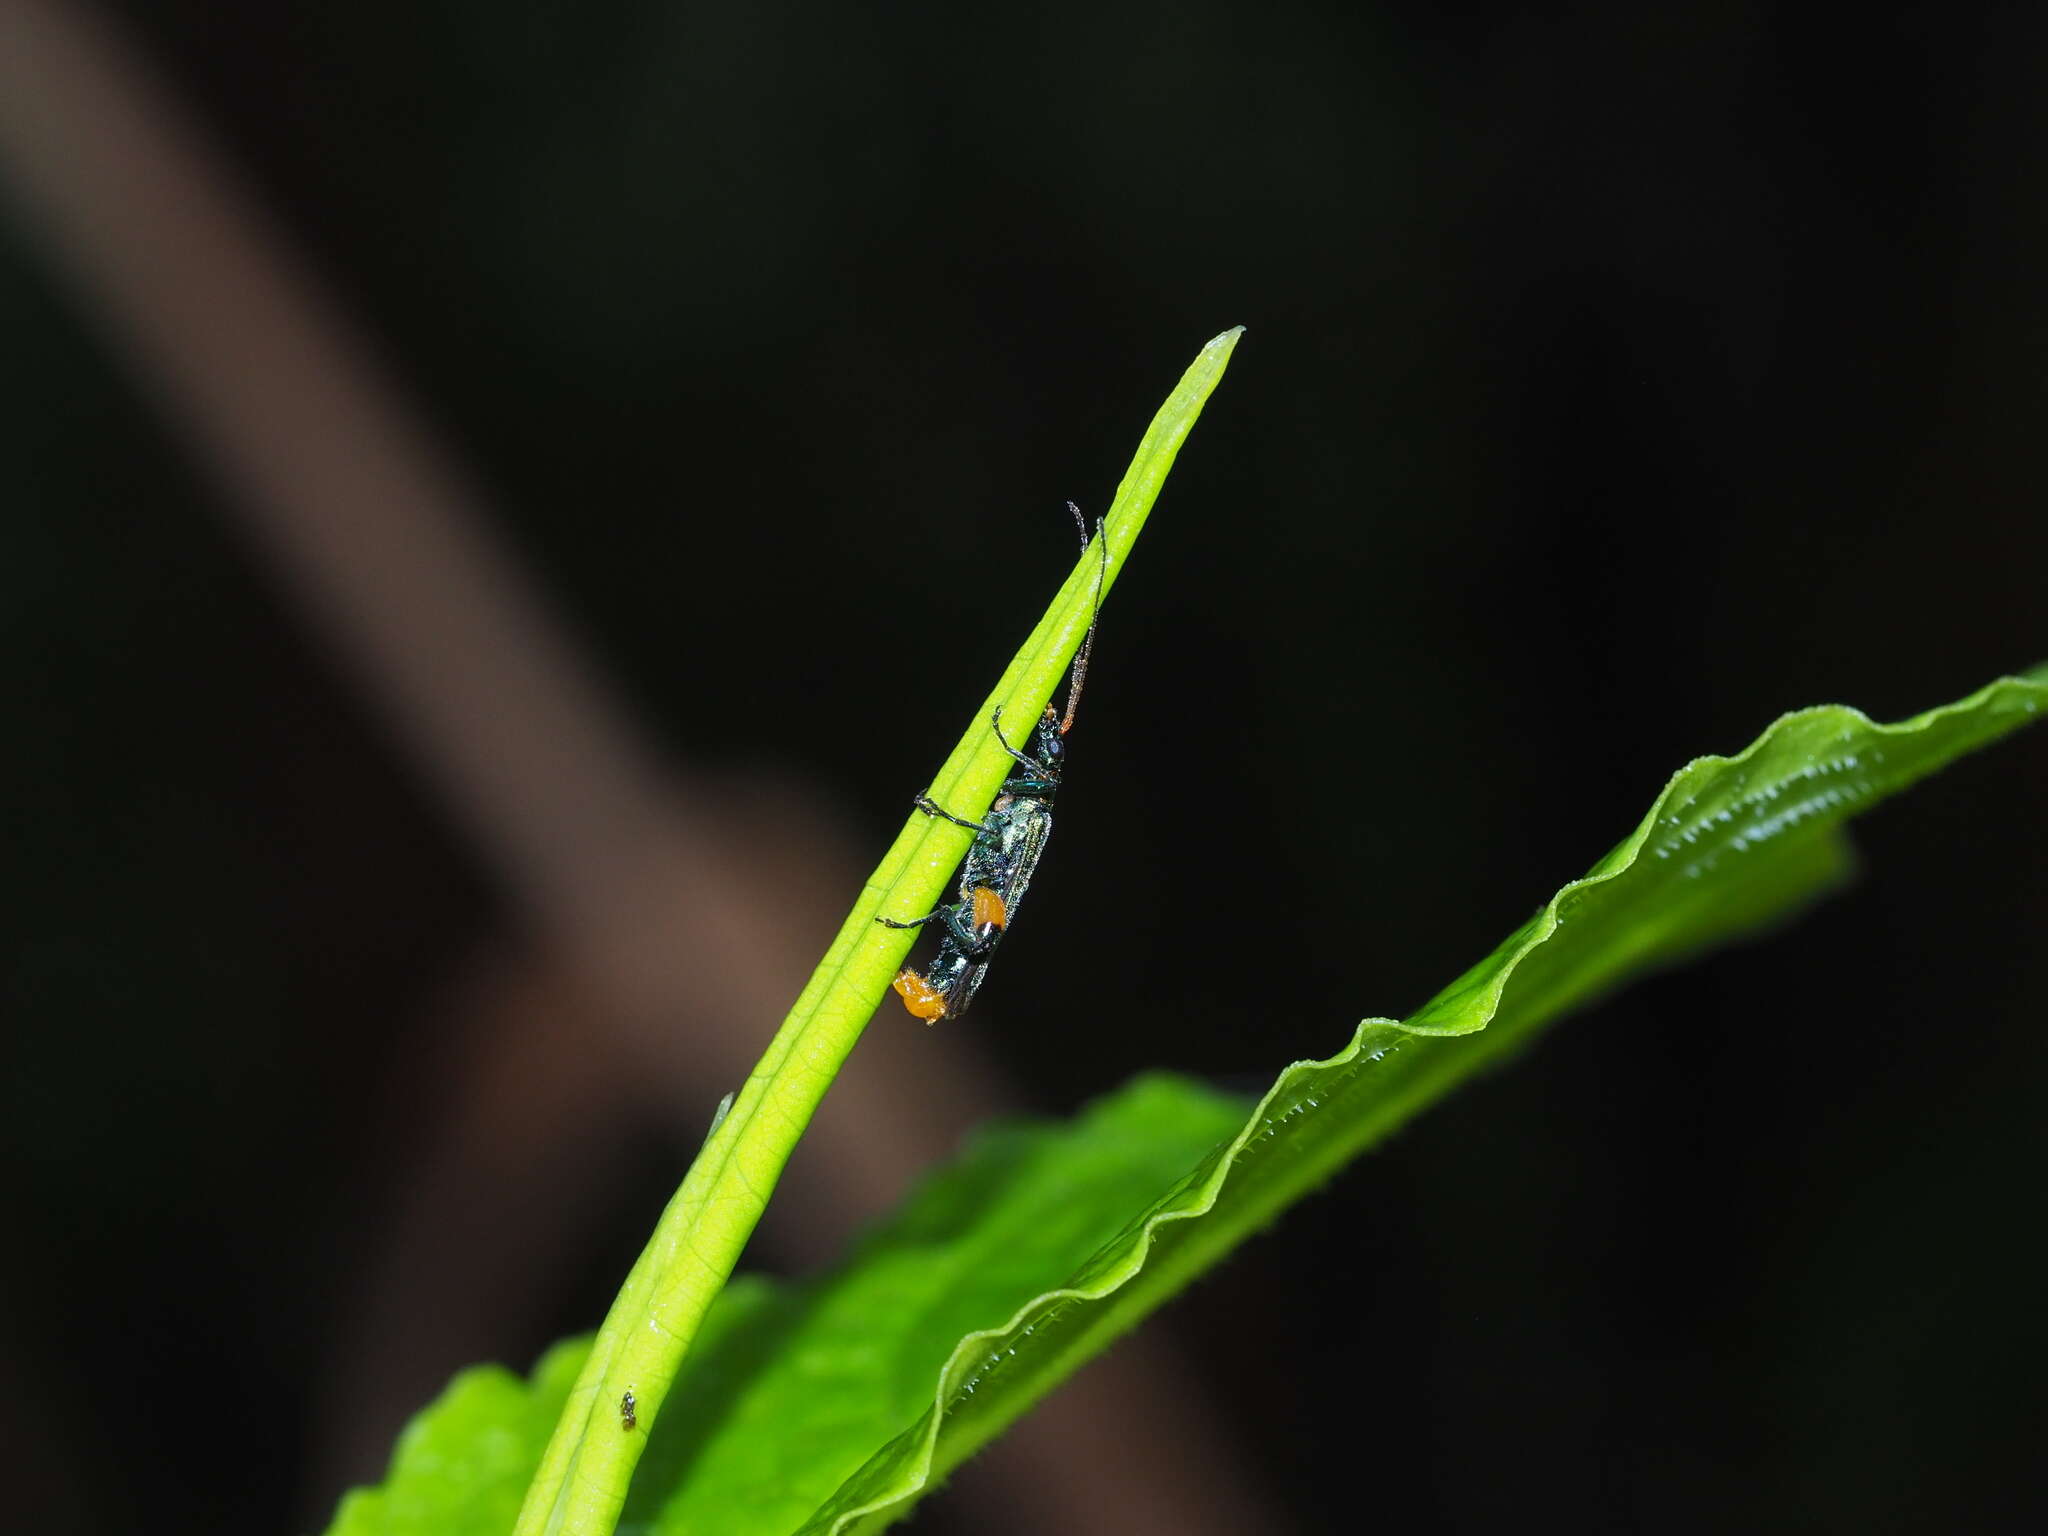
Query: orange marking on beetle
(989, 909)
(924, 1000)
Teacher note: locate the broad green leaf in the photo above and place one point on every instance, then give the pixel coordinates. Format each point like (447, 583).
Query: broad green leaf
(1731, 845)
(581, 1483)
(1012, 1268)
(462, 1465)
(788, 1406)
(791, 1388)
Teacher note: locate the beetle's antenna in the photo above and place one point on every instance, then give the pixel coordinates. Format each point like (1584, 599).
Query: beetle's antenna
(1088, 643)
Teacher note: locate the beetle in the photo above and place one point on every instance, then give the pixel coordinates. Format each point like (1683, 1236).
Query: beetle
(1006, 849)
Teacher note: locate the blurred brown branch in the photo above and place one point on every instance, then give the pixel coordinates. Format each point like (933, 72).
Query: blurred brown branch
(670, 919)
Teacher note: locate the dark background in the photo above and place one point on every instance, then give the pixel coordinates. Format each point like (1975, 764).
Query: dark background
(1617, 378)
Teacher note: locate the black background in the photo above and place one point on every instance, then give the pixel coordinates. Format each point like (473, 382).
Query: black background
(1616, 378)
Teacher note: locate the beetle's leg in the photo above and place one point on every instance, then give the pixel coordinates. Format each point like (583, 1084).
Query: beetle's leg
(915, 922)
(1032, 763)
(932, 807)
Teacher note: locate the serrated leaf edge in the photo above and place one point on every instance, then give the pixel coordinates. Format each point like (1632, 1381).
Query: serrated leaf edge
(954, 1377)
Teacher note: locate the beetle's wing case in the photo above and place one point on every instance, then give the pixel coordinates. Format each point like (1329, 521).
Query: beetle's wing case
(968, 982)
(986, 863)
(1025, 829)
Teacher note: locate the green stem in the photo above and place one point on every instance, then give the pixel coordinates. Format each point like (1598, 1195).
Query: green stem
(581, 1483)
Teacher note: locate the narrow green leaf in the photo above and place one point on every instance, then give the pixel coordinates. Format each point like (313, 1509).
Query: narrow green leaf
(583, 1476)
